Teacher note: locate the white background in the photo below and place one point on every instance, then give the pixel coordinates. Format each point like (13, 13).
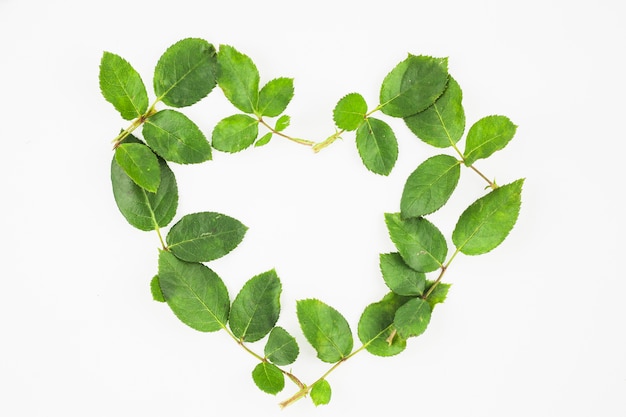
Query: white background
(534, 328)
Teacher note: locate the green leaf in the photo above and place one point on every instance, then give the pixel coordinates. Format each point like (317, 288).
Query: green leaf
(281, 347)
(268, 378)
(196, 295)
(399, 277)
(377, 146)
(140, 164)
(325, 329)
(122, 86)
(238, 78)
(155, 289)
(486, 136)
(487, 222)
(350, 112)
(176, 138)
(275, 96)
(143, 209)
(282, 123)
(376, 329)
(430, 186)
(205, 236)
(320, 392)
(438, 295)
(442, 124)
(412, 318)
(256, 308)
(235, 133)
(264, 140)
(420, 243)
(413, 85)
(185, 73)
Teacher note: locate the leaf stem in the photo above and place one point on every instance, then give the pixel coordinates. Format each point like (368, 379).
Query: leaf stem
(276, 132)
(134, 125)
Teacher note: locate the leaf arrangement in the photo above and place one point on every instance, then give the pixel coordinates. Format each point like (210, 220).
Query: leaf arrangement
(419, 90)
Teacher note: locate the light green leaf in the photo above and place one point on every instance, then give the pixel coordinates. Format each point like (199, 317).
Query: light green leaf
(235, 133)
(268, 378)
(155, 289)
(196, 295)
(264, 140)
(275, 96)
(399, 277)
(376, 329)
(430, 186)
(442, 124)
(412, 318)
(185, 73)
(487, 222)
(122, 86)
(282, 123)
(205, 236)
(413, 85)
(143, 209)
(320, 392)
(377, 146)
(325, 329)
(238, 78)
(350, 112)
(438, 295)
(281, 347)
(486, 136)
(176, 138)
(140, 164)
(256, 308)
(420, 243)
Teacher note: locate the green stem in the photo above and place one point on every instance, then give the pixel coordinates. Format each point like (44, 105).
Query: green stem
(276, 132)
(134, 125)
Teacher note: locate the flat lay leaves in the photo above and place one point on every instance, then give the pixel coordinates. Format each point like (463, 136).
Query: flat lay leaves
(377, 145)
(235, 133)
(275, 96)
(140, 164)
(376, 326)
(321, 392)
(399, 277)
(438, 294)
(238, 78)
(325, 329)
(486, 136)
(268, 378)
(121, 85)
(350, 112)
(281, 347)
(412, 318)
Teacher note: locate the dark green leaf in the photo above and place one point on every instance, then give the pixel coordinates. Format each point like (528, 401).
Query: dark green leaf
(281, 348)
(264, 140)
(268, 378)
(376, 329)
(238, 78)
(487, 222)
(155, 289)
(176, 138)
(205, 236)
(185, 73)
(413, 85)
(438, 294)
(235, 133)
(486, 136)
(256, 308)
(399, 277)
(443, 123)
(122, 86)
(377, 146)
(282, 123)
(320, 392)
(430, 186)
(140, 164)
(412, 318)
(325, 329)
(350, 112)
(196, 295)
(420, 243)
(275, 96)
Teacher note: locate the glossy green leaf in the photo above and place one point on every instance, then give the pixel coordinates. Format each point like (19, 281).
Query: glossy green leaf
(281, 347)
(376, 329)
(412, 318)
(430, 186)
(438, 294)
(413, 85)
(325, 329)
(186, 72)
(275, 96)
(264, 140)
(122, 86)
(487, 222)
(377, 146)
(155, 289)
(399, 277)
(140, 164)
(443, 123)
(420, 243)
(268, 378)
(143, 209)
(282, 123)
(238, 78)
(321, 392)
(205, 236)
(256, 308)
(350, 112)
(176, 138)
(235, 133)
(196, 295)
(486, 136)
